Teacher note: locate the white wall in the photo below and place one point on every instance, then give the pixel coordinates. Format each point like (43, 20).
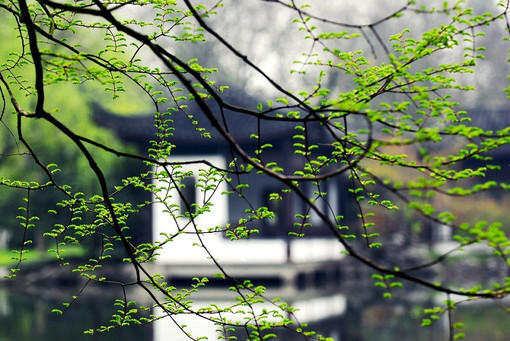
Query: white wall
(187, 248)
(181, 249)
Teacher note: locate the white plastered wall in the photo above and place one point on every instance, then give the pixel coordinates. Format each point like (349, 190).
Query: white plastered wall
(187, 248)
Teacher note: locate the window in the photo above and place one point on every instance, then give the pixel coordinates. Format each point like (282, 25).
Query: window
(188, 197)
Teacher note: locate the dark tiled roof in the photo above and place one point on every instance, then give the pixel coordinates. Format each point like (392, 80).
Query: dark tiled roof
(190, 125)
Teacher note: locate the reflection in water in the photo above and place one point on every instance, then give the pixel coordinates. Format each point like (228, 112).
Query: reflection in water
(313, 309)
(357, 314)
(27, 318)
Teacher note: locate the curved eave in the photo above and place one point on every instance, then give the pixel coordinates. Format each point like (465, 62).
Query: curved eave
(190, 130)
